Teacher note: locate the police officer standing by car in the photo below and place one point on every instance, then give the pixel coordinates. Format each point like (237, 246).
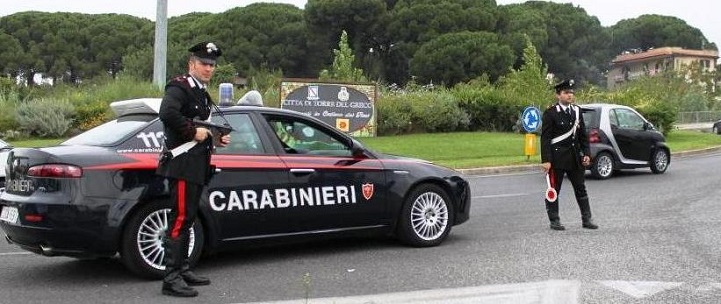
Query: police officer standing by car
(186, 162)
(565, 150)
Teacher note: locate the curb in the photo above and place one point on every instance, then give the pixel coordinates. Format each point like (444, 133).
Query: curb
(532, 168)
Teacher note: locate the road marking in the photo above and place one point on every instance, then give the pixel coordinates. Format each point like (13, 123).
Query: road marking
(15, 253)
(641, 289)
(553, 291)
(501, 195)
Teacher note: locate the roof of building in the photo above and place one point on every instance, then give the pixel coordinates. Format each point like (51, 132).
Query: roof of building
(664, 52)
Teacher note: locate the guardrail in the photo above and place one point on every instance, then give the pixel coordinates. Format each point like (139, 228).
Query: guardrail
(698, 117)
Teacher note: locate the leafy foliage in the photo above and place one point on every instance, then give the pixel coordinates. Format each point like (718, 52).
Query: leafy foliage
(652, 31)
(45, 117)
(460, 57)
(342, 68)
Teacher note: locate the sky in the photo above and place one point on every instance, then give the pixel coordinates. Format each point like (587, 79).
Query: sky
(697, 13)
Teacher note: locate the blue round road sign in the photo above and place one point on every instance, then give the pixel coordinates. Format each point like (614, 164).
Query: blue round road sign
(531, 119)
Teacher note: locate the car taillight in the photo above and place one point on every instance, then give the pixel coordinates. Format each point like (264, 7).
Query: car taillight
(594, 136)
(55, 170)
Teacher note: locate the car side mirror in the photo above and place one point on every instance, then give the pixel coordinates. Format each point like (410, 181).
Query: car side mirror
(648, 126)
(357, 150)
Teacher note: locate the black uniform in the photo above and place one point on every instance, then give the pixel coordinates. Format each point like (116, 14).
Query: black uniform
(188, 172)
(565, 156)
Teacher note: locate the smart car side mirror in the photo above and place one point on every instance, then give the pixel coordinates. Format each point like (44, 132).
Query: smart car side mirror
(648, 126)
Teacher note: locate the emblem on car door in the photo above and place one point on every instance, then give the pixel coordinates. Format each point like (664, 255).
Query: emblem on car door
(367, 191)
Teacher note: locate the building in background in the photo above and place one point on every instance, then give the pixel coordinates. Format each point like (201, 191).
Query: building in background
(633, 64)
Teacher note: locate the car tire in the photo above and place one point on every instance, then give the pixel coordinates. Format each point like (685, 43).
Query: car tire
(659, 161)
(603, 166)
(715, 129)
(142, 249)
(426, 217)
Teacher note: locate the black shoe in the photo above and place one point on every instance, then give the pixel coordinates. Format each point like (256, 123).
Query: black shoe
(588, 224)
(194, 280)
(179, 290)
(556, 225)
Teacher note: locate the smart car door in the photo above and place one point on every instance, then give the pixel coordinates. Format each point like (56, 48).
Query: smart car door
(329, 187)
(631, 136)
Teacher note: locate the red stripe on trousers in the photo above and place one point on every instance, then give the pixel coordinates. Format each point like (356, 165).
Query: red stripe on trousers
(181, 210)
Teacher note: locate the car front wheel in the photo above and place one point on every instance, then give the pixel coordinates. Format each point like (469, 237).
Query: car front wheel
(659, 161)
(602, 167)
(715, 129)
(142, 249)
(426, 218)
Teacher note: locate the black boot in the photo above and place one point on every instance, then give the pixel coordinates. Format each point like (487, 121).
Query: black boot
(586, 213)
(556, 225)
(173, 283)
(188, 276)
(552, 210)
(193, 279)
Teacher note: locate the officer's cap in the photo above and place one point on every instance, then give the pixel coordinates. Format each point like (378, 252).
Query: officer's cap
(206, 52)
(566, 85)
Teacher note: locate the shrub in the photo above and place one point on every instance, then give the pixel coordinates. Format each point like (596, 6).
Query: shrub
(45, 117)
(488, 108)
(394, 115)
(437, 112)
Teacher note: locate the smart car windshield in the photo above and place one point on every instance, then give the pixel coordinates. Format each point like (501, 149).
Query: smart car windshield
(110, 132)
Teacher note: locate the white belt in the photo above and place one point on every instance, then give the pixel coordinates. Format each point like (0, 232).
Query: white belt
(183, 148)
(563, 136)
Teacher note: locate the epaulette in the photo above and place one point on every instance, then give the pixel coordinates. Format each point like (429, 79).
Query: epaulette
(182, 81)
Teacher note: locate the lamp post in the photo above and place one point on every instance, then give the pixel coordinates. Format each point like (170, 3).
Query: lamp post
(161, 43)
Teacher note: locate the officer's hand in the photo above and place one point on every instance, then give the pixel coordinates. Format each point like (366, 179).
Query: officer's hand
(546, 167)
(201, 134)
(224, 140)
(586, 161)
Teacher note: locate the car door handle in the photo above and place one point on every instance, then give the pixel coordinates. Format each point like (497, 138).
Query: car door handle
(302, 171)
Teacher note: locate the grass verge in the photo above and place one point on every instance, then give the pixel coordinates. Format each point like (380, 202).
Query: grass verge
(470, 149)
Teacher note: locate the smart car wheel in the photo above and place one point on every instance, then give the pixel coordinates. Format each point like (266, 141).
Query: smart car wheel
(602, 167)
(715, 129)
(659, 161)
(426, 218)
(142, 249)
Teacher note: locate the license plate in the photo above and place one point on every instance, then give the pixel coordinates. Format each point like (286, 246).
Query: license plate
(9, 214)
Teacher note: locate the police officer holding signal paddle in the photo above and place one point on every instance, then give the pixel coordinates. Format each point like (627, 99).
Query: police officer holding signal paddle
(565, 151)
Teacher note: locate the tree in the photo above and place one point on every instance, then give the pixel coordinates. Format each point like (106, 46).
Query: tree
(459, 57)
(654, 31)
(529, 82)
(70, 46)
(363, 21)
(415, 22)
(342, 68)
(262, 34)
(576, 45)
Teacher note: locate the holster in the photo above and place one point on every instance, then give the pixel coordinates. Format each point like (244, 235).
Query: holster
(164, 157)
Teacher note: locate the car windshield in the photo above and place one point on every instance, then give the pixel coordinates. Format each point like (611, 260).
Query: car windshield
(111, 132)
(4, 144)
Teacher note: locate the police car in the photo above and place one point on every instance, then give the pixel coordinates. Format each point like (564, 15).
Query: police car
(4, 150)
(285, 175)
(621, 138)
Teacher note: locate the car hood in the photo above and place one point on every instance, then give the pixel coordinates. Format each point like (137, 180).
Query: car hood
(417, 166)
(398, 157)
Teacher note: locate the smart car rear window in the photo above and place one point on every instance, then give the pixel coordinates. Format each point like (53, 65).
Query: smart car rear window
(111, 132)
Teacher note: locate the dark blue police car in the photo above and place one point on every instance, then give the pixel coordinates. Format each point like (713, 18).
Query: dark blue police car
(285, 175)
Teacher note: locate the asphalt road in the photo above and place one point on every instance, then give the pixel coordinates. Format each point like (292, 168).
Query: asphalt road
(658, 243)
